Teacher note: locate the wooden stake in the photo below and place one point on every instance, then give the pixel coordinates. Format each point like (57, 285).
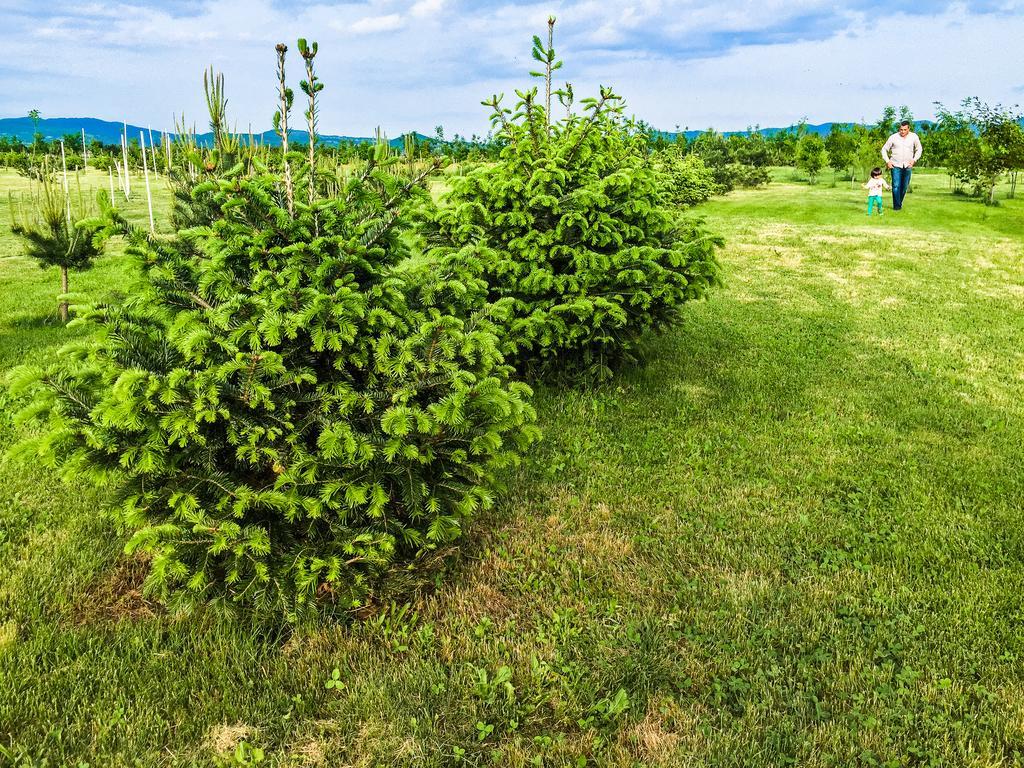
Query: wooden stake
(145, 169)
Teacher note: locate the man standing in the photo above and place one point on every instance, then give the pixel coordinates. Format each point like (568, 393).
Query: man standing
(900, 152)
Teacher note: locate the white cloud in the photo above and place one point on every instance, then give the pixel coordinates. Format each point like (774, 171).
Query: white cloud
(426, 7)
(848, 76)
(413, 64)
(371, 24)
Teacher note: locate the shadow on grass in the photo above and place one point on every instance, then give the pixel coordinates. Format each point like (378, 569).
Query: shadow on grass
(45, 321)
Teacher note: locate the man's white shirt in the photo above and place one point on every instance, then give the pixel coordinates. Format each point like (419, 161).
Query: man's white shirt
(901, 151)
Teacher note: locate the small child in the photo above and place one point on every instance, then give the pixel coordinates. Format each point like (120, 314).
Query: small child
(874, 187)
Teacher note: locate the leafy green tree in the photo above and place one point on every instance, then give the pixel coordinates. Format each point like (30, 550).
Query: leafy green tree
(810, 155)
(569, 225)
(867, 153)
(782, 145)
(685, 180)
(841, 145)
(713, 148)
(1015, 155)
(987, 146)
(751, 149)
(59, 229)
(37, 137)
(885, 127)
(287, 410)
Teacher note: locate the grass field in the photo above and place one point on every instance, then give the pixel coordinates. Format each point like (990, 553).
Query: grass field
(794, 537)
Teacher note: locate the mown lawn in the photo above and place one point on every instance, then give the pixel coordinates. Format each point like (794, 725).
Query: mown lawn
(794, 537)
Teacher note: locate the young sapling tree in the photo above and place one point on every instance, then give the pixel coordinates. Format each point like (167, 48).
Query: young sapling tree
(59, 229)
(810, 155)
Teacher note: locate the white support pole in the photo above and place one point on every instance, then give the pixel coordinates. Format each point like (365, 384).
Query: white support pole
(124, 157)
(111, 171)
(67, 192)
(167, 147)
(145, 169)
(85, 150)
(152, 151)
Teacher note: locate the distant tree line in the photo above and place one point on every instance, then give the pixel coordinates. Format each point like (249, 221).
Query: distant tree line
(18, 154)
(978, 145)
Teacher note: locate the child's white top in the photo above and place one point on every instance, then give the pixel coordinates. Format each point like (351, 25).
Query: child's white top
(876, 185)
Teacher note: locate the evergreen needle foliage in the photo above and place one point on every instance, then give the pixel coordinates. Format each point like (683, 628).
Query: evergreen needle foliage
(570, 225)
(685, 179)
(286, 411)
(59, 229)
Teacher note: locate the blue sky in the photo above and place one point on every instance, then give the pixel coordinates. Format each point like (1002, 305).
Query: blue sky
(413, 64)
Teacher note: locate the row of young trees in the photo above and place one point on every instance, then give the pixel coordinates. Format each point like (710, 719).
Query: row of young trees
(92, 153)
(291, 406)
(977, 144)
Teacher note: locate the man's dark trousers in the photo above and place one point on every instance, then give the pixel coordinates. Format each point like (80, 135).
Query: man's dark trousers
(900, 182)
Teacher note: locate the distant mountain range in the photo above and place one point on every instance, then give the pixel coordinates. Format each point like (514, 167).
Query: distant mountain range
(110, 133)
(822, 129)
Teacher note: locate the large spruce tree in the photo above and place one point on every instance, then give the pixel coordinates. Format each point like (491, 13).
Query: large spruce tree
(571, 226)
(285, 411)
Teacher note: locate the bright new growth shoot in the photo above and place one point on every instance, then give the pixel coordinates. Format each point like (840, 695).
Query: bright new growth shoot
(152, 153)
(124, 157)
(546, 56)
(285, 99)
(216, 104)
(311, 86)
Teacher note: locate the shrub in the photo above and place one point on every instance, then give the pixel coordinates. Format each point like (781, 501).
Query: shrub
(713, 148)
(685, 179)
(285, 411)
(569, 225)
(16, 160)
(748, 175)
(101, 162)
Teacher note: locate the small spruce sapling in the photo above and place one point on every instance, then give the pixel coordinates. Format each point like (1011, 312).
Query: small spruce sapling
(60, 229)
